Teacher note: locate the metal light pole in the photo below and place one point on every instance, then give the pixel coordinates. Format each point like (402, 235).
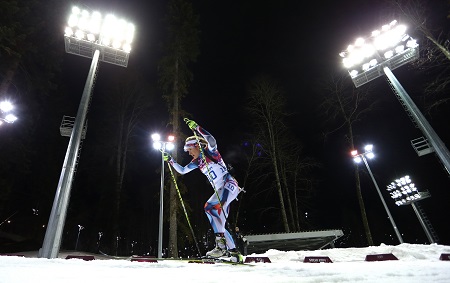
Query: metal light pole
(102, 39)
(362, 157)
(386, 50)
(405, 192)
(162, 146)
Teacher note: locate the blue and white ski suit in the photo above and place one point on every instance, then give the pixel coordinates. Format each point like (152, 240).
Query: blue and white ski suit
(217, 173)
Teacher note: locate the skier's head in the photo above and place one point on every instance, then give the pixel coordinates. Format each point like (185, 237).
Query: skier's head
(191, 145)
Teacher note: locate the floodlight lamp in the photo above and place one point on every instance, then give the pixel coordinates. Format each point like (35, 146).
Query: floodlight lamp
(375, 33)
(127, 48)
(91, 37)
(79, 34)
(68, 31)
(357, 159)
(353, 73)
(171, 138)
(411, 43)
(6, 106)
(388, 54)
(347, 63)
(365, 66)
(157, 145)
(359, 41)
(370, 155)
(10, 118)
(354, 152)
(368, 50)
(156, 137)
(75, 10)
(368, 147)
(73, 21)
(170, 146)
(116, 44)
(399, 49)
(400, 30)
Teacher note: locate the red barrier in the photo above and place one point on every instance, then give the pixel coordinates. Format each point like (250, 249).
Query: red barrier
(83, 257)
(380, 257)
(317, 259)
(444, 257)
(143, 259)
(257, 259)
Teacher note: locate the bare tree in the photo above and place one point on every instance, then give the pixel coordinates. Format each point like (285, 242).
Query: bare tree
(342, 107)
(128, 101)
(280, 166)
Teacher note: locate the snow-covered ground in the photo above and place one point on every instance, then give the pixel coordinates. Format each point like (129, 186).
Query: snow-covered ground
(416, 263)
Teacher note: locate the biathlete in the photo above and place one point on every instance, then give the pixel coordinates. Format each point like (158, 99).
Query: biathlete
(206, 157)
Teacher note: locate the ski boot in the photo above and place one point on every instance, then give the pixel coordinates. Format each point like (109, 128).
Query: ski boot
(236, 256)
(220, 249)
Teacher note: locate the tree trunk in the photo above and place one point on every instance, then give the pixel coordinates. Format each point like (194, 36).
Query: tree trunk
(278, 179)
(173, 221)
(360, 197)
(9, 76)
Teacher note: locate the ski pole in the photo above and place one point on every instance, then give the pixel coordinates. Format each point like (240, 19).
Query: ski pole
(184, 208)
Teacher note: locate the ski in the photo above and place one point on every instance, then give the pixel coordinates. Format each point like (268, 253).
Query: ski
(204, 259)
(223, 260)
(192, 260)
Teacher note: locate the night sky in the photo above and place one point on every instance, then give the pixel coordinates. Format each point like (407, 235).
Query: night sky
(296, 44)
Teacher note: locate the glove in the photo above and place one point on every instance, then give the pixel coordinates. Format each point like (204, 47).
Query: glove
(166, 156)
(191, 124)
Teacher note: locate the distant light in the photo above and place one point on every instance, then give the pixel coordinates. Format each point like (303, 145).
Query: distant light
(10, 118)
(354, 152)
(170, 146)
(157, 145)
(368, 147)
(6, 106)
(407, 191)
(357, 159)
(370, 155)
(156, 137)
(161, 145)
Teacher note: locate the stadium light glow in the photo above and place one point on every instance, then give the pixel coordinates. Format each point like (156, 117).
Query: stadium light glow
(403, 191)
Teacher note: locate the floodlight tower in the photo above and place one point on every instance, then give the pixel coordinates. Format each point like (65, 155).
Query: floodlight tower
(386, 50)
(368, 152)
(405, 192)
(162, 146)
(102, 39)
